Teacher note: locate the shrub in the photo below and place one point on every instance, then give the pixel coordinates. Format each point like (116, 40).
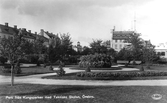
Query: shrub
(88, 69)
(61, 71)
(7, 69)
(95, 61)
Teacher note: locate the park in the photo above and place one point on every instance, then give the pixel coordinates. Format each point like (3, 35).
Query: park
(96, 75)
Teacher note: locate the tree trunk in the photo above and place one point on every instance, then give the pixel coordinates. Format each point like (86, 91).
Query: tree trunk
(12, 75)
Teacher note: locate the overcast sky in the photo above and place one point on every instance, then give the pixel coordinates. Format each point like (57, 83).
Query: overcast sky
(88, 19)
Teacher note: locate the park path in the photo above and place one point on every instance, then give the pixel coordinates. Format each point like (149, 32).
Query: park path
(36, 79)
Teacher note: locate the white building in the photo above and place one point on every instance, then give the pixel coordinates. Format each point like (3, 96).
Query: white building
(161, 50)
(119, 39)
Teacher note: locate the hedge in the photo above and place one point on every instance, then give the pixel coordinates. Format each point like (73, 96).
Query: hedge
(121, 74)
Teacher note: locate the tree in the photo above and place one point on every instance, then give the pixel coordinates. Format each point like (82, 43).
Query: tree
(66, 46)
(10, 48)
(3, 60)
(149, 55)
(86, 51)
(136, 46)
(97, 47)
(39, 49)
(125, 54)
(111, 52)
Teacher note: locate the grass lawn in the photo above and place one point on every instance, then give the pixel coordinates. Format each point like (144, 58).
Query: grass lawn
(95, 94)
(30, 71)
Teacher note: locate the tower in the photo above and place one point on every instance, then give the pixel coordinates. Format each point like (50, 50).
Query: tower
(112, 37)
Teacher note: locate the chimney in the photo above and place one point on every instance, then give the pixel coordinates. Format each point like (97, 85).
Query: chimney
(6, 24)
(42, 32)
(35, 33)
(29, 31)
(15, 26)
(114, 28)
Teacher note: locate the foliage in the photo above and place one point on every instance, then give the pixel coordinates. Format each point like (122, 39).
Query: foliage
(60, 48)
(3, 60)
(61, 71)
(96, 61)
(149, 55)
(86, 51)
(136, 45)
(97, 47)
(27, 47)
(121, 74)
(124, 54)
(6, 68)
(11, 48)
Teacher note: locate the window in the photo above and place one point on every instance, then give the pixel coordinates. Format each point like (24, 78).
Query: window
(162, 53)
(120, 46)
(159, 53)
(115, 46)
(116, 41)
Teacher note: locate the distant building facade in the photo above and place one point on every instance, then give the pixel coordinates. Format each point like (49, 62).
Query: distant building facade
(161, 50)
(119, 39)
(7, 31)
(78, 47)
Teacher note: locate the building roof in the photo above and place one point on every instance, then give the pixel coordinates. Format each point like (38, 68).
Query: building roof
(161, 46)
(7, 29)
(10, 30)
(51, 35)
(122, 34)
(28, 35)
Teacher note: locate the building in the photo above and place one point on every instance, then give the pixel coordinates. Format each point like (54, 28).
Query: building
(119, 39)
(161, 50)
(7, 31)
(78, 47)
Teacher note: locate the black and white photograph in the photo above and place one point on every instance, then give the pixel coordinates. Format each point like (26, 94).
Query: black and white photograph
(83, 51)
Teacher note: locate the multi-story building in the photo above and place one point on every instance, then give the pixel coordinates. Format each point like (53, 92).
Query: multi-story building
(119, 39)
(7, 31)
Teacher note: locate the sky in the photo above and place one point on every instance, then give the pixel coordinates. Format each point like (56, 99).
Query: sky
(88, 20)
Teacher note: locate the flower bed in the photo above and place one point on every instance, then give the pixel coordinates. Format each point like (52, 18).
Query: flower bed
(121, 74)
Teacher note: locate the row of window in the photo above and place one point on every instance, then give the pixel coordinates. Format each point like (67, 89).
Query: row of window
(3, 36)
(161, 53)
(121, 41)
(118, 46)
